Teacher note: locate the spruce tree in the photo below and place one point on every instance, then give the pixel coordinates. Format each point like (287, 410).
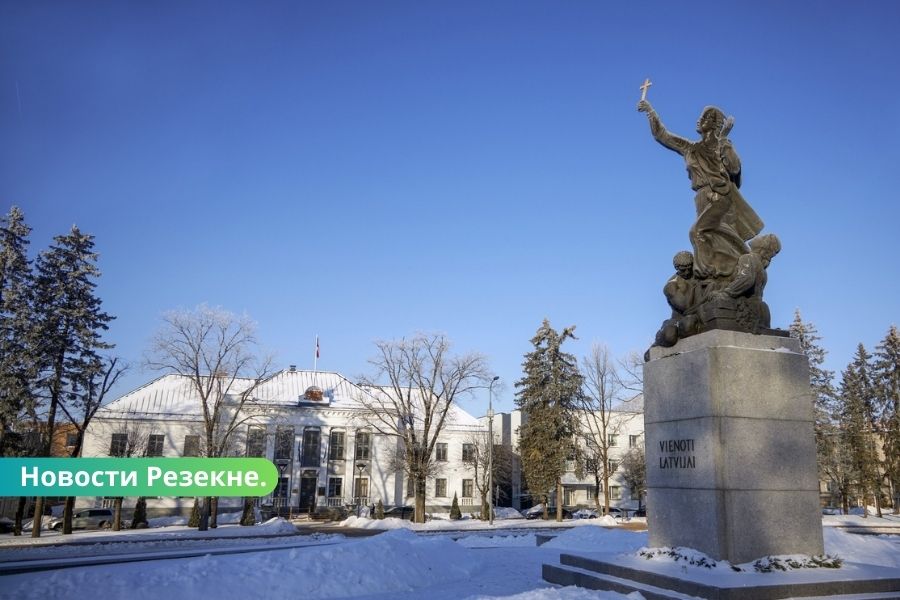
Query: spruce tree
(139, 519)
(455, 513)
(857, 401)
(828, 451)
(379, 510)
(70, 323)
(194, 519)
(16, 333)
(886, 376)
(547, 395)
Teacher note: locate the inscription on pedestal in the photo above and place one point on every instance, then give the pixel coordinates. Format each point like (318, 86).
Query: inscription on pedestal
(677, 454)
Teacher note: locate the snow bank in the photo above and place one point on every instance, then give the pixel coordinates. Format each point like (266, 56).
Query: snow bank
(866, 549)
(386, 523)
(395, 562)
(503, 512)
(566, 593)
(598, 539)
(494, 541)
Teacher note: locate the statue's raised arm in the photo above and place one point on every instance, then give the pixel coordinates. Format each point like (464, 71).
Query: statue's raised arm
(660, 133)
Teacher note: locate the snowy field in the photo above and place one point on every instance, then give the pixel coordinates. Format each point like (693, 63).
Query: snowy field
(400, 563)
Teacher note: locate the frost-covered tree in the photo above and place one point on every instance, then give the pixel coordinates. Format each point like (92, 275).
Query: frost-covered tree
(218, 353)
(415, 385)
(886, 375)
(547, 396)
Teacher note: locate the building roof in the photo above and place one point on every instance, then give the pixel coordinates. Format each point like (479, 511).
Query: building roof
(173, 396)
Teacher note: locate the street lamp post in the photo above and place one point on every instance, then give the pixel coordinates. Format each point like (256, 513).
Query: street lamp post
(490, 415)
(360, 467)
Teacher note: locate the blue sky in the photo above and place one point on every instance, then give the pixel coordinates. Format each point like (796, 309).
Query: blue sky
(365, 170)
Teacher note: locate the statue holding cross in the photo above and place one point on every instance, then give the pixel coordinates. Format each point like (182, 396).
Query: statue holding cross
(725, 222)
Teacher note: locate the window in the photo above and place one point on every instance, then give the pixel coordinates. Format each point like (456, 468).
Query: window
(468, 453)
(281, 490)
(440, 488)
(191, 445)
(613, 440)
(71, 439)
(615, 492)
(256, 440)
(363, 443)
(335, 485)
(568, 497)
(284, 443)
(118, 445)
(440, 452)
(336, 446)
(613, 465)
(310, 450)
(634, 441)
(591, 494)
(468, 489)
(155, 444)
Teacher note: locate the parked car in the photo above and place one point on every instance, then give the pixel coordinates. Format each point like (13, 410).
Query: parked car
(641, 512)
(89, 518)
(401, 512)
(6, 525)
(585, 513)
(537, 512)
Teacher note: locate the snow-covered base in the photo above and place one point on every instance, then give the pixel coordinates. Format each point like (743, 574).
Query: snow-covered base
(396, 565)
(864, 558)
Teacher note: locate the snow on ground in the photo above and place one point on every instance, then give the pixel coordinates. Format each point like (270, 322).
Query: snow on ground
(395, 565)
(274, 526)
(445, 524)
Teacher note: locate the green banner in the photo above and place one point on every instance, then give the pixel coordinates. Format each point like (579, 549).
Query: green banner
(137, 477)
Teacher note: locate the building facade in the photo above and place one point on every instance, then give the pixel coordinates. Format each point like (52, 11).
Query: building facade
(310, 424)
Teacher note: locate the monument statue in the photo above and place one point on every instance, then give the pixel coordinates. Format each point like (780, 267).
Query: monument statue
(722, 261)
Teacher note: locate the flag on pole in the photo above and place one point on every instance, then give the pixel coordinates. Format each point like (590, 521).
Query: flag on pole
(317, 346)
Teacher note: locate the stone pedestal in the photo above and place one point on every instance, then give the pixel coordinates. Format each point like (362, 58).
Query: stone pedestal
(731, 455)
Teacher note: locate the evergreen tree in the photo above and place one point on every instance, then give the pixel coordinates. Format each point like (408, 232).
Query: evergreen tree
(886, 375)
(547, 396)
(828, 451)
(857, 400)
(70, 323)
(194, 519)
(16, 333)
(139, 519)
(455, 513)
(379, 510)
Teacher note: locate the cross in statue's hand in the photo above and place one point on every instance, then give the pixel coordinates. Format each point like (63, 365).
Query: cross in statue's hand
(644, 88)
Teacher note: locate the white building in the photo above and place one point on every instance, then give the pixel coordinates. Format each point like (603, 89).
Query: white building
(311, 424)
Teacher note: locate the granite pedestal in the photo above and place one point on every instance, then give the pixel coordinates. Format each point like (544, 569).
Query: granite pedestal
(731, 456)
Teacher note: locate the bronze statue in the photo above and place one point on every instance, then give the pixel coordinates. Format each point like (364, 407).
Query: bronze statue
(684, 295)
(720, 285)
(724, 219)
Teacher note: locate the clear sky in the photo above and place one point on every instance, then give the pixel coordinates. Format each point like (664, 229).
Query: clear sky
(364, 170)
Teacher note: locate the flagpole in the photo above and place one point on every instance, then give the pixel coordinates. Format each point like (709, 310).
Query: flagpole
(316, 358)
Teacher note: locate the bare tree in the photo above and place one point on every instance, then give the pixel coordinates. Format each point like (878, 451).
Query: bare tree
(422, 382)
(134, 436)
(634, 472)
(603, 390)
(481, 464)
(86, 400)
(217, 352)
